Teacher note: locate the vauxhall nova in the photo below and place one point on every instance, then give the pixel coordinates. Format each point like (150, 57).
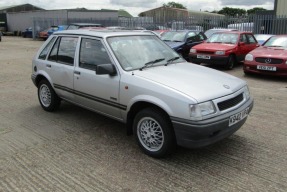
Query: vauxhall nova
(135, 78)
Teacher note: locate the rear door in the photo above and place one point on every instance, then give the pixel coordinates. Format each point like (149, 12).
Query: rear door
(60, 65)
(97, 92)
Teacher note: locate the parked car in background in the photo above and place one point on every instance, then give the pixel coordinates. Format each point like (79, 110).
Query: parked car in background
(209, 32)
(224, 48)
(74, 26)
(116, 28)
(261, 38)
(54, 29)
(268, 59)
(182, 41)
(28, 32)
(44, 34)
(135, 78)
(160, 32)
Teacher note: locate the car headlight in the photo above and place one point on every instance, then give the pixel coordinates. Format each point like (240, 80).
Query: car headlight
(197, 111)
(192, 50)
(249, 57)
(246, 92)
(219, 52)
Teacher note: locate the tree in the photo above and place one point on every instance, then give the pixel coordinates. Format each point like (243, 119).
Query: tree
(173, 4)
(228, 11)
(255, 9)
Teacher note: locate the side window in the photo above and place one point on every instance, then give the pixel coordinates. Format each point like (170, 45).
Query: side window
(64, 50)
(92, 53)
(243, 38)
(201, 37)
(251, 39)
(45, 51)
(191, 36)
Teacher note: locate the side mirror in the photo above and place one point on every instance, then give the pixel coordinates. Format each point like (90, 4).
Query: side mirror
(241, 43)
(106, 69)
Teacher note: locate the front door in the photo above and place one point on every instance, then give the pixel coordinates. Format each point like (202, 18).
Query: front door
(97, 92)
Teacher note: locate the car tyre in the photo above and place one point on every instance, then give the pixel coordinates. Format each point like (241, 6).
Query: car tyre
(154, 132)
(231, 62)
(48, 98)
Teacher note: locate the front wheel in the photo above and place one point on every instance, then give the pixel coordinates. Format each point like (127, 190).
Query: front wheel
(231, 62)
(49, 100)
(154, 132)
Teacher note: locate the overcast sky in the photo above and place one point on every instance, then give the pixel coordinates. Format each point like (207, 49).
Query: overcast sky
(134, 7)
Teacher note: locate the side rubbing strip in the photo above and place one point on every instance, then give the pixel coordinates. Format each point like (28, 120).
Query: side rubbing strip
(91, 97)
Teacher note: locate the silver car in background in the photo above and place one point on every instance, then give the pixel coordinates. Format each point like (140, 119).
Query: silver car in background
(135, 78)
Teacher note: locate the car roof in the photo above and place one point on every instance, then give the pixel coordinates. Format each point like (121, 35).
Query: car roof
(102, 33)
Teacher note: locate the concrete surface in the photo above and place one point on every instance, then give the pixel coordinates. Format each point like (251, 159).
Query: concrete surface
(77, 150)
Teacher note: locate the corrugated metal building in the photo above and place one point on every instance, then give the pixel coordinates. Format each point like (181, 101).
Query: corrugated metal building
(280, 7)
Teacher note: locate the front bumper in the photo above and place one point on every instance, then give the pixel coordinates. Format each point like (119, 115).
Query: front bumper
(217, 60)
(281, 69)
(195, 134)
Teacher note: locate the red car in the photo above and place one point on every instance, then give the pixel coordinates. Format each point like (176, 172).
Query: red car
(269, 59)
(224, 48)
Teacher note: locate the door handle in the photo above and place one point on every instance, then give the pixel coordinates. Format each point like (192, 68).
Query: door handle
(49, 66)
(77, 72)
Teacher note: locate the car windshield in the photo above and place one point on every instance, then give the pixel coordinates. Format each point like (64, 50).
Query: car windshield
(174, 36)
(135, 52)
(276, 42)
(227, 38)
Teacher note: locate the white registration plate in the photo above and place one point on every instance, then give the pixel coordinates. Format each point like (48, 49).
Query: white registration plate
(238, 117)
(203, 56)
(266, 68)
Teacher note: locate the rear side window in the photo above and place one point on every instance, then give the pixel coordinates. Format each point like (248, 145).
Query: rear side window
(92, 53)
(64, 50)
(45, 51)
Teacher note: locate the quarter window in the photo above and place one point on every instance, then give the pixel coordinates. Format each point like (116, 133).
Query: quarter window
(64, 50)
(45, 51)
(92, 53)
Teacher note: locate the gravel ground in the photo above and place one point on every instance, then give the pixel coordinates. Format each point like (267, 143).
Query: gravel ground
(77, 150)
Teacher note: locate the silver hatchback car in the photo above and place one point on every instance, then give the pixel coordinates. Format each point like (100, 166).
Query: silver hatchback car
(135, 78)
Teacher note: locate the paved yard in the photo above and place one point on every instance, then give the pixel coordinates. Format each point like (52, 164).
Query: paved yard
(77, 150)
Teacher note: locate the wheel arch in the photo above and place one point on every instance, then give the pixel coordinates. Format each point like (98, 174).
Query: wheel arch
(40, 77)
(140, 105)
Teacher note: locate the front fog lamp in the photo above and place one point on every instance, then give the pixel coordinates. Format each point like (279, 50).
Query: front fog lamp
(246, 92)
(249, 57)
(197, 111)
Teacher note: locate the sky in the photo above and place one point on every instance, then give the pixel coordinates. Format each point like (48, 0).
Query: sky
(134, 7)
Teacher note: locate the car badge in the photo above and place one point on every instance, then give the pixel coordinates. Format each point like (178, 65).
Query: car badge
(226, 86)
(268, 60)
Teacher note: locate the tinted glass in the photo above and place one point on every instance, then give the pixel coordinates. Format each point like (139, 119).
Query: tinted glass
(251, 38)
(92, 53)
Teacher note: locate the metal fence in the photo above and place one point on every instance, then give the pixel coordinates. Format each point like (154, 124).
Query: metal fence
(258, 24)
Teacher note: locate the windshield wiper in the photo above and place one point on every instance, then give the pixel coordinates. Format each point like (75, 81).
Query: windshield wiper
(150, 63)
(171, 60)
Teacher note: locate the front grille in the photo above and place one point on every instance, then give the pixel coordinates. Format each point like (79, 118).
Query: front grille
(230, 102)
(205, 52)
(268, 60)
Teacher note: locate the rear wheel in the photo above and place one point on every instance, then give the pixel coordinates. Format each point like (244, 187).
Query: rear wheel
(49, 100)
(231, 62)
(154, 133)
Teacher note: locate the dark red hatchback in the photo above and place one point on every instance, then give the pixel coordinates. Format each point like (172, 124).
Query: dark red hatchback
(224, 48)
(269, 59)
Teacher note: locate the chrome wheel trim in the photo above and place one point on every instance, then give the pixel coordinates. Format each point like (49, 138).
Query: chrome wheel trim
(45, 95)
(150, 134)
